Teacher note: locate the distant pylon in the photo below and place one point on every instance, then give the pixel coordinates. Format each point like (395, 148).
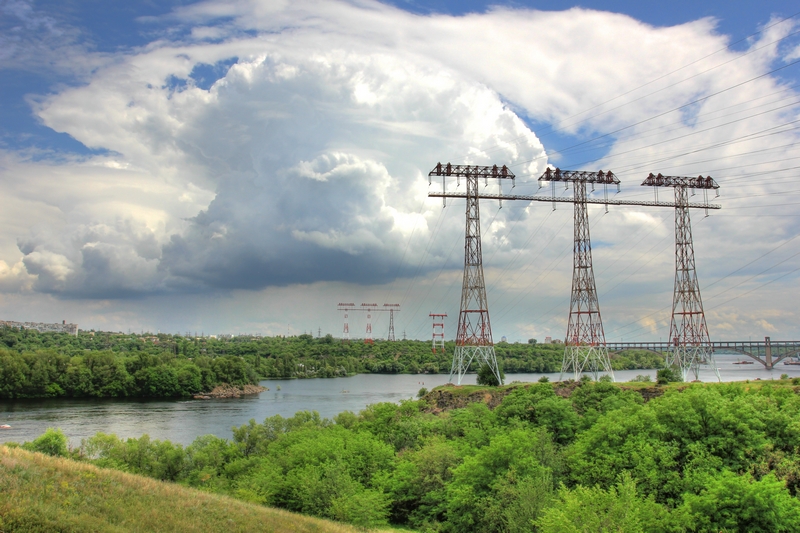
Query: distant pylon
(346, 308)
(474, 334)
(438, 331)
(585, 343)
(369, 308)
(392, 308)
(688, 330)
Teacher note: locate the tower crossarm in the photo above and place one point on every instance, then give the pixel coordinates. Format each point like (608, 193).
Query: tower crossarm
(556, 174)
(465, 171)
(699, 182)
(569, 200)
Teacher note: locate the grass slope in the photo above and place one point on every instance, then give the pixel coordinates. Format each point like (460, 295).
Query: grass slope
(43, 494)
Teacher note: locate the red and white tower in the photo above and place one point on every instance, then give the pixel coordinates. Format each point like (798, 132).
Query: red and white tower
(438, 331)
(369, 308)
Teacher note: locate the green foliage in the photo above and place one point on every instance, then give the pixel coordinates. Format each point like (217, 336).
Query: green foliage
(422, 392)
(619, 508)
(163, 365)
(45, 374)
(51, 442)
(586, 456)
(487, 377)
(734, 502)
(668, 375)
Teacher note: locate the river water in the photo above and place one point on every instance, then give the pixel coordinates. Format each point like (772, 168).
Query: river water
(182, 421)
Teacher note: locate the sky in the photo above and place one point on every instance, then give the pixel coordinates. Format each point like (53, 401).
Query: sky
(244, 166)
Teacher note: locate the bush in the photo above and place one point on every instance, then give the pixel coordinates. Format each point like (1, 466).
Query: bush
(487, 377)
(52, 442)
(643, 378)
(422, 392)
(544, 379)
(668, 375)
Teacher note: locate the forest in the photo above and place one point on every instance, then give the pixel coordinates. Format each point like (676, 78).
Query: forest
(105, 364)
(565, 457)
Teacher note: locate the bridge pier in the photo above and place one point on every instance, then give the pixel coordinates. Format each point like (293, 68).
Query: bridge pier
(768, 353)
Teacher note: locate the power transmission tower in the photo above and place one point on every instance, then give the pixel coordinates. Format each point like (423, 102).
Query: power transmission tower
(369, 308)
(688, 330)
(438, 331)
(391, 308)
(346, 308)
(585, 343)
(474, 334)
(585, 328)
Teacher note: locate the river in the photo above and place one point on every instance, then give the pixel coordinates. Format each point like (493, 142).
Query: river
(182, 421)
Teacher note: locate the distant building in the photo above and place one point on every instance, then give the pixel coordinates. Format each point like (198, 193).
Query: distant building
(43, 327)
(503, 339)
(548, 340)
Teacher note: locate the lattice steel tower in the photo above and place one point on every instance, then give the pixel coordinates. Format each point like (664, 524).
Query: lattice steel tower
(474, 333)
(688, 330)
(585, 343)
(392, 309)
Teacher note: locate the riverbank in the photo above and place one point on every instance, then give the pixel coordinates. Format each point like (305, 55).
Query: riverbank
(82, 497)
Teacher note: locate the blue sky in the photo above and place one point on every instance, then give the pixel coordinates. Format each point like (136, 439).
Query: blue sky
(243, 166)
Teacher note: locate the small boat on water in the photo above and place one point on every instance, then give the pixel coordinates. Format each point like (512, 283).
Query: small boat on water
(791, 362)
(5, 426)
(743, 363)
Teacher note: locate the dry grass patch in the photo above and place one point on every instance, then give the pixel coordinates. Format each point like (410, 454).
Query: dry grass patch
(39, 493)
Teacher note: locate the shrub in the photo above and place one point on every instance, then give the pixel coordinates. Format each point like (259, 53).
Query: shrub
(52, 442)
(487, 377)
(668, 375)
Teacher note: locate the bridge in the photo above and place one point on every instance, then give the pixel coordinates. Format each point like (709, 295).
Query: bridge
(767, 352)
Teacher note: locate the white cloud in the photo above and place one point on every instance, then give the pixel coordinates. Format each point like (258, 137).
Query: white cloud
(305, 161)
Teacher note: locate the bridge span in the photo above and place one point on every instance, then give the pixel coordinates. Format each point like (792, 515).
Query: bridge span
(767, 352)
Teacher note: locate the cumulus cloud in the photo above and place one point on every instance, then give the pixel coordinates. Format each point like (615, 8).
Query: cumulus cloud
(286, 143)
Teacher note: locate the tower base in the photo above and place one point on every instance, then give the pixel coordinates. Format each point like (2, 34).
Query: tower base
(594, 359)
(689, 359)
(464, 356)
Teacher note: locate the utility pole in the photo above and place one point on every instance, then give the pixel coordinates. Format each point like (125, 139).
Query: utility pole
(474, 334)
(688, 331)
(585, 343)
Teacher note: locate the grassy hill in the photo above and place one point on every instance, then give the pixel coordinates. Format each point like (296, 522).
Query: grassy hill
(39, 493)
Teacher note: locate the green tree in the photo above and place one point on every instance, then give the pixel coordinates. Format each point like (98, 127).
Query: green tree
(487, 377)
(620, 508)
(736, 503)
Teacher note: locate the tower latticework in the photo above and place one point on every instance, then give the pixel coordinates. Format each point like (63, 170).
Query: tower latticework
(392, 308)
(688, 331)
(585, 343)
(474, 333)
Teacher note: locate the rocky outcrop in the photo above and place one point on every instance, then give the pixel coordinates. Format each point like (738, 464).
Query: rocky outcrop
(451, 396)
(454, 397)
(230, 391)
